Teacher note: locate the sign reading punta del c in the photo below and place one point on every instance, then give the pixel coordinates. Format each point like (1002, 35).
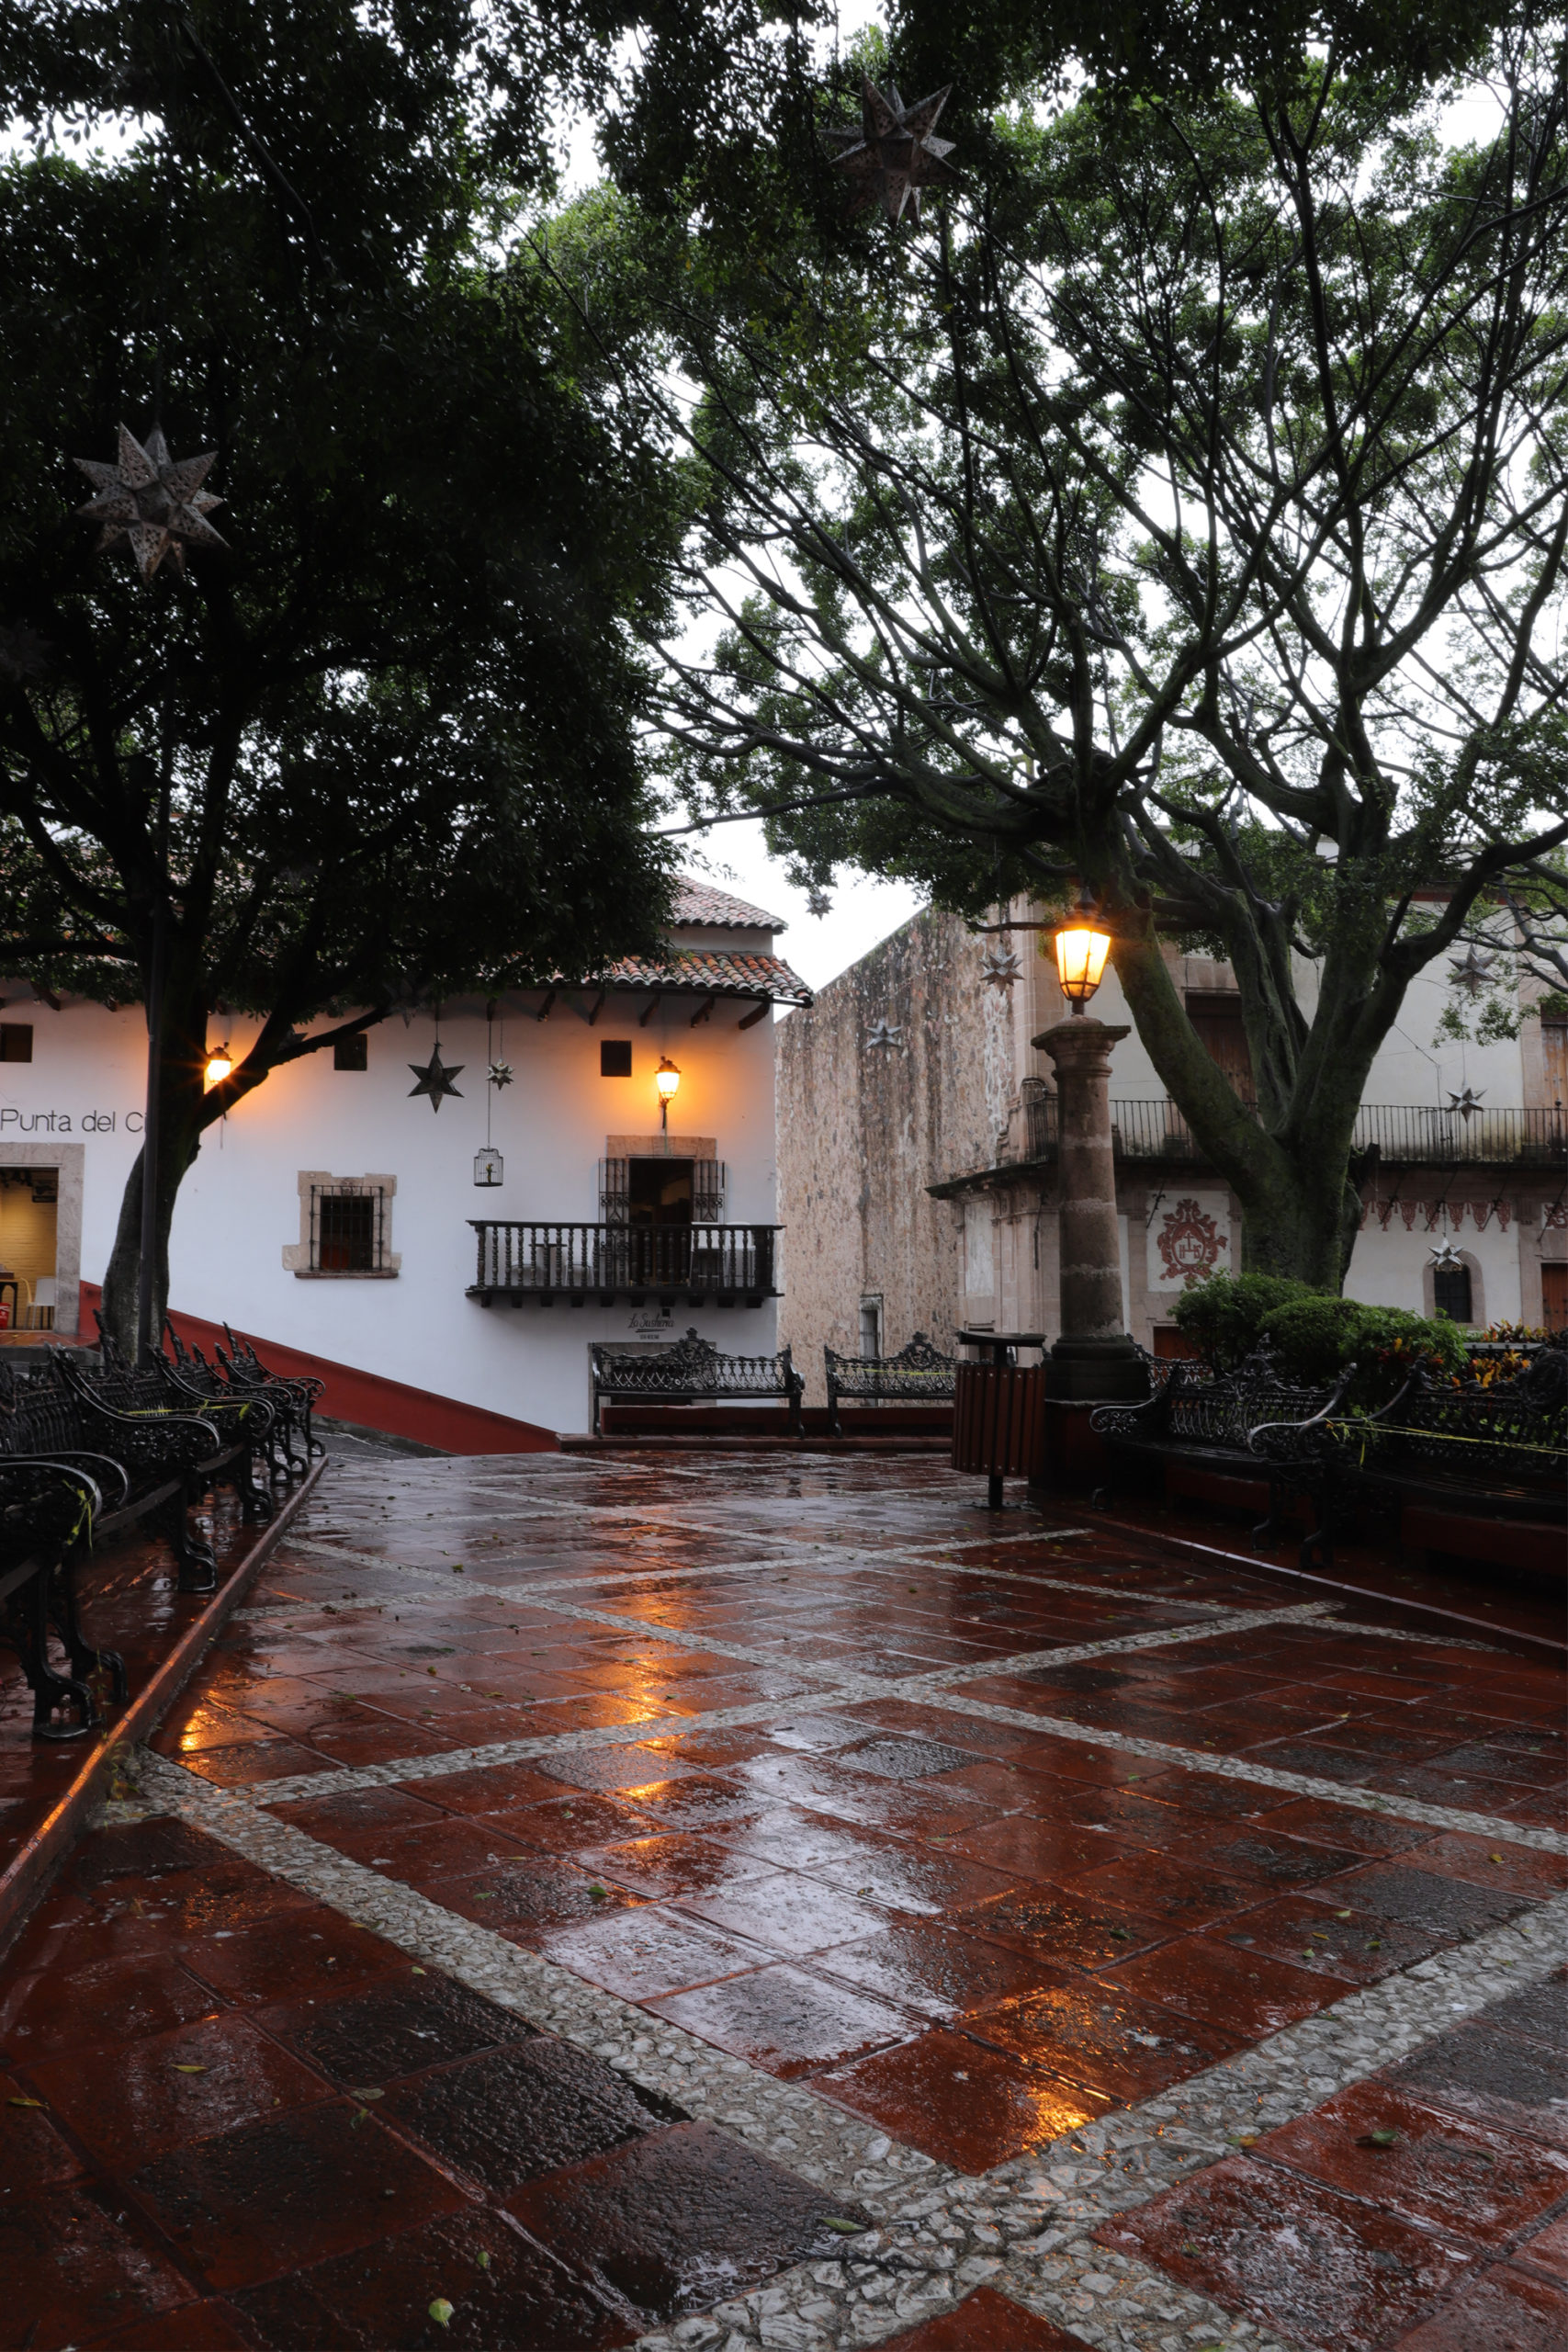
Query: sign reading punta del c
(61, 1123)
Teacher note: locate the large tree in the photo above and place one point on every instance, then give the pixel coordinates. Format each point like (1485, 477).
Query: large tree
(380, 743)
(1184, 512)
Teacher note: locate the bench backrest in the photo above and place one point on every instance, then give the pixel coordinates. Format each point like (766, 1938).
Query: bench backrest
(693, 1366)
(919, 1370)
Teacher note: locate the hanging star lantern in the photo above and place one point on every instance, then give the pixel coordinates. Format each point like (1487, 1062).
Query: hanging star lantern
(1467, 1103)
(500, 1074)
(1001, 969)
(884, 1032)
(893, 155)
(1473, 974)
(435, 1079)
(1447, 1259)
(150, 502)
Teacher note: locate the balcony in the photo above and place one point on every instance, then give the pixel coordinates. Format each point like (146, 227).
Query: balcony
(706, 1265)
(1406, 1135)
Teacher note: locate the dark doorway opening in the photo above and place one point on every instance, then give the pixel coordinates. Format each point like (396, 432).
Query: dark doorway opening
(659, 1192)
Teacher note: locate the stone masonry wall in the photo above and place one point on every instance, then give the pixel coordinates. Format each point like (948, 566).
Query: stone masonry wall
(862, 1129)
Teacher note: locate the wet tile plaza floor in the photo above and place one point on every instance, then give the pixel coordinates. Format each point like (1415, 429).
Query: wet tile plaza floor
(752, 1902)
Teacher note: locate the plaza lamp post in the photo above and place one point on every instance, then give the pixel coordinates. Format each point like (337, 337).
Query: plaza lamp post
(667, 1077)
(1095, 1356)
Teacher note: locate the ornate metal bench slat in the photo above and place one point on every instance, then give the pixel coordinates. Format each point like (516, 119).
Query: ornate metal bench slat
(918, 1374)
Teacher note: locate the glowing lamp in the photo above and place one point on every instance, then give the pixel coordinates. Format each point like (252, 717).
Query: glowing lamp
(1080, 960)
(220, 1062)
(667, 1077)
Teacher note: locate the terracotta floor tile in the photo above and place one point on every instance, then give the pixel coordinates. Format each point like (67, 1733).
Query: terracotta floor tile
(1215, 1984)
(1498, 2078)
(1505, 2309)
(1208, 1796)
(1026, 1848)
(649, 1950)
(1065, 1928)
(143, 1849)
(513, 2114)
(658, 2224)
(32, 2153)
(1323, 2270)
(984, 2322)
(275, 2196)
(677, 1865)
(561, 1824)
(1547, 2249)
(73, 2269)
(503, 2289)
(1343, 1826)
(1540, 2013)
(229, 1894)
(1435, 2169)
(1177, 1891)
(170, 2088)
(306, 1954)
(1104, 2040)
(1485, 1861)
(119, 2002)
(965, 2104)
(936, 1972)
(1315, 1930)
(789, 2021)
(493, 1788)
(207, 2326)
(398, 2026)
(352, 1811)
(1425, 1898)
(787, 1912)
(249, 1763)
(528, 1898)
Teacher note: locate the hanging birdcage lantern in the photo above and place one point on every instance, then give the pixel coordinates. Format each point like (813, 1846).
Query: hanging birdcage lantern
(489, 1166)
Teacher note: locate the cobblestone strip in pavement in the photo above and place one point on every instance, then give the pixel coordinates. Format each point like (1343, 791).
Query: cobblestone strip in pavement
(1023, 2227)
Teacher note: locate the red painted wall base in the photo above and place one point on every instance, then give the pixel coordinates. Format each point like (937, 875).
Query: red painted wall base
(367, 1400)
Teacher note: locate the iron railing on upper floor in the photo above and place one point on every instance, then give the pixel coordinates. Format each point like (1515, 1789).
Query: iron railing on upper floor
(1405, 1133)
(546, 1258)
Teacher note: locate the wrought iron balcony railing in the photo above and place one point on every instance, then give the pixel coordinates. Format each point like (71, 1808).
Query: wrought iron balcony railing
(543, 1259)
(1406, 1135)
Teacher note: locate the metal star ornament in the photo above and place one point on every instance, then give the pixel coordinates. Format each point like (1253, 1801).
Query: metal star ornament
(1447, 1259)
(1473, 974)
(435, 1079)
(500, 1074)
(885, 1034)
(1467, 1103)
(1001, 969)
(894, 154)
(150, 502)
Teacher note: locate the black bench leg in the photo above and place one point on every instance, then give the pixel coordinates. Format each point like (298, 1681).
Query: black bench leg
(87, 1663)
(255, 1508)
(27, 1628)
(1269, 1531)
(198, 1561)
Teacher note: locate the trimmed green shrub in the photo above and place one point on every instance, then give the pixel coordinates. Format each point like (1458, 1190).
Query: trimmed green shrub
(1318, 1335)
(1222, 1317)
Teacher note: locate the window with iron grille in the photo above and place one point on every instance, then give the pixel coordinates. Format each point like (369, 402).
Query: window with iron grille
(1451, 1293)
(346, 1226)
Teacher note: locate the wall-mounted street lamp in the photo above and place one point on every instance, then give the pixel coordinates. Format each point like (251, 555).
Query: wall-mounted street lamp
(667, 1077)
(220, 1062)
(1080, 961)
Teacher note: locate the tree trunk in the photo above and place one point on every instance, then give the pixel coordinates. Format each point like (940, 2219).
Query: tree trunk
(181, 1096)
(1300, 1211)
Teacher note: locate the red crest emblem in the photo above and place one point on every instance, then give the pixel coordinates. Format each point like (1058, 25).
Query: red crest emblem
(1188, 1243)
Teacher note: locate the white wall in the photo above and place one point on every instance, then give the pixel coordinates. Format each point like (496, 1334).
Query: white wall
(239, 1206)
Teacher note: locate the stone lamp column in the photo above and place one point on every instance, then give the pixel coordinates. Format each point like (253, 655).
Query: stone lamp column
(1094, 1357)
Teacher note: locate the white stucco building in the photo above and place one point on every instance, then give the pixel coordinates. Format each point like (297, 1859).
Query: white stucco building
(332, 1213)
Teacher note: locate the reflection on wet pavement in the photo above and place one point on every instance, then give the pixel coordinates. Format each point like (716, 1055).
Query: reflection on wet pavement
(975, 1913)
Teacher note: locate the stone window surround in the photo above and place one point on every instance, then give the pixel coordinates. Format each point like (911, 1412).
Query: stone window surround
(69, 1159)
(1477, 1290)
(297, 1254)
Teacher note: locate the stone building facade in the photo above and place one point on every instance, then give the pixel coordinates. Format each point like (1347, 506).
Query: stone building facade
(917, 1155)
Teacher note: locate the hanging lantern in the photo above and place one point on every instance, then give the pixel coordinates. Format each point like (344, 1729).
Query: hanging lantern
(1080, 960)
(489, 1166)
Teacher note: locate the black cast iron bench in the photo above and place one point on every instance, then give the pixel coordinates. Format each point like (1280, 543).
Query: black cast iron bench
(919, 1373)
(46, 1510)
(239, 1372)
(1215, 1425)
(692, 1373)
(1479, 1452)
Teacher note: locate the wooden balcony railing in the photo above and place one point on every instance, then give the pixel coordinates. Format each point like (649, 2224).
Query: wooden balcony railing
(1407, 1134)
(544, 1259)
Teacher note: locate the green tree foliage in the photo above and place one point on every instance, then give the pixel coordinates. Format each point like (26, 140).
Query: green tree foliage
(393, 724)
(1184, 511)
